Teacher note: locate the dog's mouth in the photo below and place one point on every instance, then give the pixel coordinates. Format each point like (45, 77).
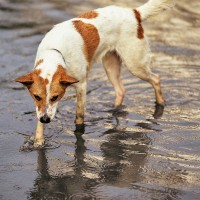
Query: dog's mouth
(45, 119)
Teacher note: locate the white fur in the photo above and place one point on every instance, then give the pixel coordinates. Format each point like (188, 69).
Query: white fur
(153, 7)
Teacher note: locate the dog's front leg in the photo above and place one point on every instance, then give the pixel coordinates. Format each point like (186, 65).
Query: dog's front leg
(39, 135)
(81, 99)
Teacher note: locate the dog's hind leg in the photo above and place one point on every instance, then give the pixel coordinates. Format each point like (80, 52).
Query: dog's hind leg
(137, 60)
(146, 75)
(112, 65)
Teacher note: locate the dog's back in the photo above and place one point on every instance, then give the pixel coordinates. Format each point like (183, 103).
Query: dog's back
(102, 29)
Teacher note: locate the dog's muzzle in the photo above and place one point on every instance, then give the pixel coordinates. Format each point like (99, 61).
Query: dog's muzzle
(45, 119)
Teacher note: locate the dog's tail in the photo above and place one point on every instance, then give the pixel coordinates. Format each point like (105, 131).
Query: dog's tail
(153, 7)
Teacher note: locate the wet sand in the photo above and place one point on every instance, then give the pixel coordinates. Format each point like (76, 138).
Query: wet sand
(121, 155)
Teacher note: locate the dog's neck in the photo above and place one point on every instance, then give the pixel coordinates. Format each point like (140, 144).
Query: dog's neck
(48, 63)
(59, 52)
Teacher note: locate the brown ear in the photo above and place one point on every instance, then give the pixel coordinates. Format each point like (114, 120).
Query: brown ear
(26, 80)
(67, 80)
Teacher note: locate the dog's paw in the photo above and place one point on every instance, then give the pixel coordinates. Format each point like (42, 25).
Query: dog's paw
(39, 145)
(159, 110)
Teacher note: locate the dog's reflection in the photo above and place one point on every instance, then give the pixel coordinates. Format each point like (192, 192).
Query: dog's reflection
(47, 186)
(124, 156)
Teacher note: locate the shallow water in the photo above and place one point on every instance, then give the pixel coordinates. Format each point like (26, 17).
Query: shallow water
(121, 155)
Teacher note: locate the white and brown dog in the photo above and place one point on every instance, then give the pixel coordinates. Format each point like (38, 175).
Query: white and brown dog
(112, 34)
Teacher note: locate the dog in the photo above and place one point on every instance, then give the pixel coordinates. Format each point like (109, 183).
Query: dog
(113, 35)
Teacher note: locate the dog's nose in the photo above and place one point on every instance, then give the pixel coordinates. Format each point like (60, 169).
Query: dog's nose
(45, 119)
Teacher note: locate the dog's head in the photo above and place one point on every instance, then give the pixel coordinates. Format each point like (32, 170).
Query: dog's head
(46, 91)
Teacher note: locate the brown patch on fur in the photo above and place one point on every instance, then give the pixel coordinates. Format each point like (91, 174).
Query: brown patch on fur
(56, 88)
(62, 76)
(59, 82)
(38, 62)
(37, 71)
(90, 37)
(36, 86)
(140, 30)
(46, 81)
(89, 15)
(28, 78)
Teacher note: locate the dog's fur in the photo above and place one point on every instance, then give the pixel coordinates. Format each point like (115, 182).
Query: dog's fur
(112, 34)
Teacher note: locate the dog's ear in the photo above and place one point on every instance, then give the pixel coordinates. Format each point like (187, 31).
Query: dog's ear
(26, 80)
(67, 80)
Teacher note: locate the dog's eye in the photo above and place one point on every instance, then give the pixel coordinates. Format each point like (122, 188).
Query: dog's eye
(54, 98)
(37, 97)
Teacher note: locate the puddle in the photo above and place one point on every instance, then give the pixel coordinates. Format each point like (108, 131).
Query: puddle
(136, 152)
(29, 145)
